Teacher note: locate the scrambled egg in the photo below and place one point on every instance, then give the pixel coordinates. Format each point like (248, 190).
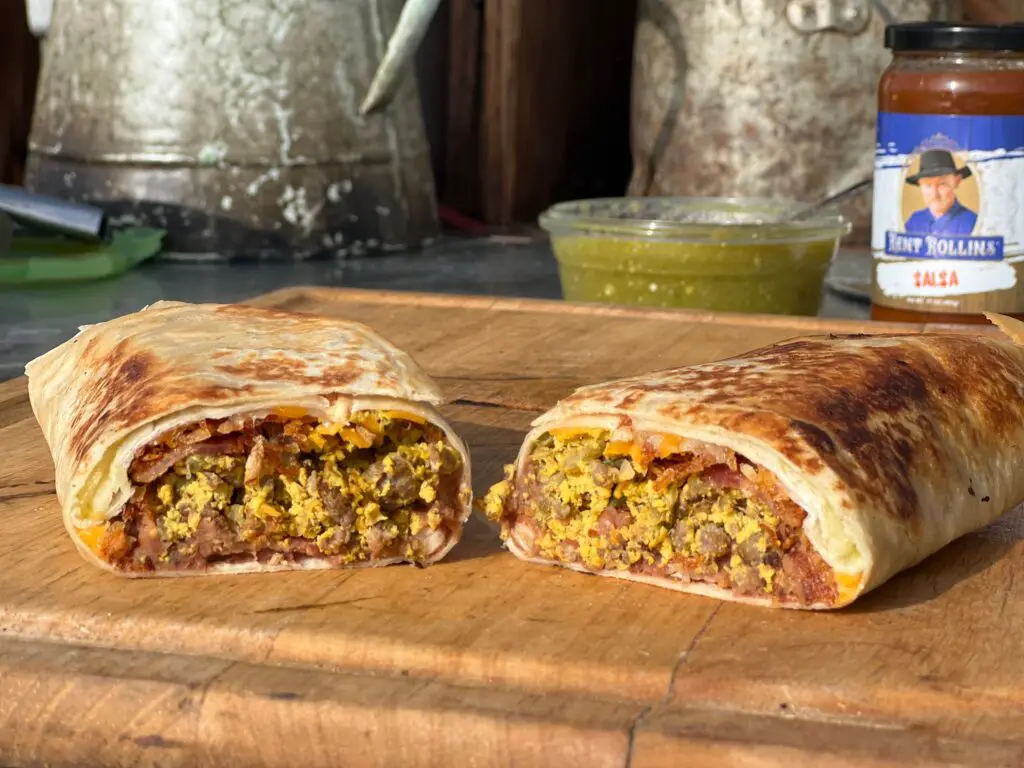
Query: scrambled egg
(600, 504)
(202, 482)
(333, 495)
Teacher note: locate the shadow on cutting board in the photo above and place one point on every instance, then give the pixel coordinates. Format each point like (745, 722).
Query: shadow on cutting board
(963, 559)
(479, 540)
(491, 448)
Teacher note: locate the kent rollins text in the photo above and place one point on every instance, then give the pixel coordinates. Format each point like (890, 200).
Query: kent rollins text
(937, 247)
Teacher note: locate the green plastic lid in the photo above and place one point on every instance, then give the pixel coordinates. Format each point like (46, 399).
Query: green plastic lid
(40, 259)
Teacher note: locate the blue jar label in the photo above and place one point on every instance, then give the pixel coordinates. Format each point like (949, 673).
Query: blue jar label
(948, 216)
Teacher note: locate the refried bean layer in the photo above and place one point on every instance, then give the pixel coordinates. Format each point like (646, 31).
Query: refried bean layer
(661, 507)
(274, 489)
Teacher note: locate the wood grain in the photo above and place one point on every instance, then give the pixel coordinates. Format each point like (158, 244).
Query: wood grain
(19, 68)
(555, 104)
(993, 11)
(482, 659)
(461, 182)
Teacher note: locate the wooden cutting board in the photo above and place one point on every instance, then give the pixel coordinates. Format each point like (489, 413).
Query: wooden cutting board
(483, 660)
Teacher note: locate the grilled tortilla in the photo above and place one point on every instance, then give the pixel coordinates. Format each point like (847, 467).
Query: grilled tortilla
(215, 438)
(801, 475)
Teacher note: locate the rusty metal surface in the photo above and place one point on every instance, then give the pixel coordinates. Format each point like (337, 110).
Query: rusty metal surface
(234, 123)
(755, 98)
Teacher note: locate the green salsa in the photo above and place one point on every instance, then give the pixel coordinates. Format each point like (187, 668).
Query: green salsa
(719, 254)
(776, 278)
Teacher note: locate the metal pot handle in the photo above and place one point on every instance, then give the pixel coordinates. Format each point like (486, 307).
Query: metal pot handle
(409, 33)
(39, 13)
(850, 17)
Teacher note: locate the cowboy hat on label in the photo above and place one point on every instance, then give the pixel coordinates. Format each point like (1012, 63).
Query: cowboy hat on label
(937, 162)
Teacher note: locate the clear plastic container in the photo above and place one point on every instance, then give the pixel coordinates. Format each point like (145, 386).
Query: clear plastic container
(722, 254)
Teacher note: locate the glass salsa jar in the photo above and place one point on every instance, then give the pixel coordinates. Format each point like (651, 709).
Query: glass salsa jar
(948, 217)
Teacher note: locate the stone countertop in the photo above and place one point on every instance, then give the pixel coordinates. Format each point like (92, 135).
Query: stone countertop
(35, 319)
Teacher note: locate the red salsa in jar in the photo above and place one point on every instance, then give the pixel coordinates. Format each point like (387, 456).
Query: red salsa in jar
(948, 219)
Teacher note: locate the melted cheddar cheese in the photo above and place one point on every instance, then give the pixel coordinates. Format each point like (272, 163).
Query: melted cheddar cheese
(92, 536)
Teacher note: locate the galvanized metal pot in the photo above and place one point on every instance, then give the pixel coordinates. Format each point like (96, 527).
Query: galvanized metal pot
(761, 98)
(236, 124)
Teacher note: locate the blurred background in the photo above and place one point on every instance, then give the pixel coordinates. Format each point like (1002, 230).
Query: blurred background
(528, 103)
(414, 145)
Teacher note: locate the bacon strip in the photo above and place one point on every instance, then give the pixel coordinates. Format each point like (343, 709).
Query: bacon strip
(146, 470)
(721, 476)
(692, 464)
(762, 485)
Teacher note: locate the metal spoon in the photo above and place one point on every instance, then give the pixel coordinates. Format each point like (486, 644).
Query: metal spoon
(838, 197)
(77, 220)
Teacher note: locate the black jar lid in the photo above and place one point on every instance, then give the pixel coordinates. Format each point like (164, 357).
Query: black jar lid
(937, 36)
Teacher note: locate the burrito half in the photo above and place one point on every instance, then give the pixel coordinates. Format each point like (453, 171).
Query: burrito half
(217, 438)
(800, 475)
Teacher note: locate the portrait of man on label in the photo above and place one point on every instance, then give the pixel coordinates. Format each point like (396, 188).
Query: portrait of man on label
(943, 214)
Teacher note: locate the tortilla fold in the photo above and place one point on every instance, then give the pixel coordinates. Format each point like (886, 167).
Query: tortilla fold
(105, 395)
(874, 451)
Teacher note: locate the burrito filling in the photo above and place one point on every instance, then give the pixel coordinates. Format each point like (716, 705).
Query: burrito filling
(662, 507)
(283, 488)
